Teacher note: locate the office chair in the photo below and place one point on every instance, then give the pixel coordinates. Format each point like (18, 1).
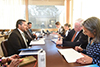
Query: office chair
(48, 32)
(4, 47)
(2, 32)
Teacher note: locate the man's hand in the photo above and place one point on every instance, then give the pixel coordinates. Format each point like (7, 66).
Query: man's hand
(59, 41)
(14, 57)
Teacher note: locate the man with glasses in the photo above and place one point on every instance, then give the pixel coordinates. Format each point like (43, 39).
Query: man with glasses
(17, 38)
(75, 37)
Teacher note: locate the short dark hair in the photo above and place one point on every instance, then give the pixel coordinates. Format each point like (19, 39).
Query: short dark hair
(29, 23)
(57, 23)
(19, 22)
(67, 25)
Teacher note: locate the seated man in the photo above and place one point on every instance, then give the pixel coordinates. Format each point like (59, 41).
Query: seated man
(75, 37)
(28, 35)
(17, 38)
(29, 29)
(67, 28)
(61, 30)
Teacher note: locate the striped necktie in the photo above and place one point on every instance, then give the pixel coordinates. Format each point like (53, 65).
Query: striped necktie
(29, 35)
(25, 40)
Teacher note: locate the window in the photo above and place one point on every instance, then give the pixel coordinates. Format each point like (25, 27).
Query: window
(44, 16)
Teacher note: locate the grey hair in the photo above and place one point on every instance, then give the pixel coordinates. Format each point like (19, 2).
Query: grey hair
(93, 25)
(80, 21)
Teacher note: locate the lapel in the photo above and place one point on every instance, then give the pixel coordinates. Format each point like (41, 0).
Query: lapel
(30, 30)
(21, 39)
(78, 36)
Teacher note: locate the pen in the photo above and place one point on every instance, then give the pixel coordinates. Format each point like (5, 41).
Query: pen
(59, 38)
(80, 45)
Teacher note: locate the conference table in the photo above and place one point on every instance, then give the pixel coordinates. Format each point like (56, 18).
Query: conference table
(53, 57)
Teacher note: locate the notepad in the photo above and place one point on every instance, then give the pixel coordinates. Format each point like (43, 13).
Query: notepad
(70, 54)
(27, 60)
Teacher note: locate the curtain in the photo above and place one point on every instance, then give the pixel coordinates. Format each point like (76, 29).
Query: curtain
(10, 12)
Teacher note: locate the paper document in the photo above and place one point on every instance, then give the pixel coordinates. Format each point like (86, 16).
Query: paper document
(54, 35)
(29, 52)
(40, 41)
(70, 54)
(54, 40)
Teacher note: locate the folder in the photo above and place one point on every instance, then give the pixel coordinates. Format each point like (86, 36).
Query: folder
(28, 49)
(92, 65)
(29, 52)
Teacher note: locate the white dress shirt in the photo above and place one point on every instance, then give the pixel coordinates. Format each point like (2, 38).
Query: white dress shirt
(23, 36)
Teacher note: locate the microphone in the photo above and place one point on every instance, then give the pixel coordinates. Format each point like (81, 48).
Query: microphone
(48, 32)
(44, 32)
(2, 32)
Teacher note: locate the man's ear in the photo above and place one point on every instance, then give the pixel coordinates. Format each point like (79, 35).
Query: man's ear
(19, 25)
(94, 31)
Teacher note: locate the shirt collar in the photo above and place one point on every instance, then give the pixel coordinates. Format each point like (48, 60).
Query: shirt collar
(59, 27)
(20, 31)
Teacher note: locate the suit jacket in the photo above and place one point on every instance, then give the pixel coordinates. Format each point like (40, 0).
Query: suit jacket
(62, 31)
(15, 42)
(30, 30)
(66, 31)
(29, 37)
(80, 39)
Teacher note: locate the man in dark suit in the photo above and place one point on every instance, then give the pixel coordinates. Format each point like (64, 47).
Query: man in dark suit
(61, 30)
(29, 27)
(30, 30)
(29, 36)
(17, 39)
(75, 37)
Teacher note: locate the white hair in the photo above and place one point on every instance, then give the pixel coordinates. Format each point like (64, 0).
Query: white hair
(80, 21)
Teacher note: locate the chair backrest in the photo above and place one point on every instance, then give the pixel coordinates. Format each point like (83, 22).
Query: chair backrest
(4, 47)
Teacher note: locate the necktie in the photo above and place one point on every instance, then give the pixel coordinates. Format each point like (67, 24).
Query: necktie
(29, 35)
(59, 31)
(73, 37)
(25, 39)
(30, 31)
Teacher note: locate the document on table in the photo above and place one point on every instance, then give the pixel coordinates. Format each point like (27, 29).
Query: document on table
(70, 54)
(38, 42)
(29, 52)
(54, 40)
